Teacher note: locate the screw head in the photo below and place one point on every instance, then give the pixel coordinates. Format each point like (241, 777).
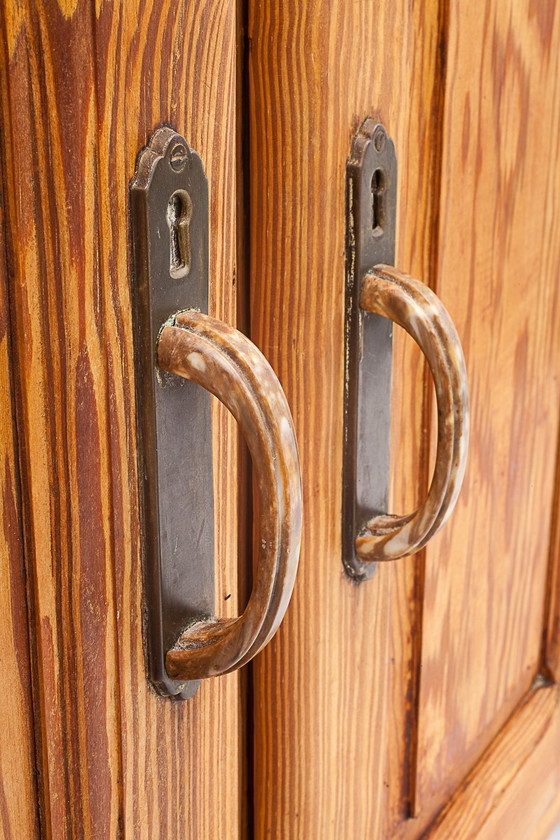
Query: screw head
(178, 157)
(379, 138)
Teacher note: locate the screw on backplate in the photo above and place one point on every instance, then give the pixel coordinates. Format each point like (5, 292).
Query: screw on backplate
(178, 157)
(379, 138)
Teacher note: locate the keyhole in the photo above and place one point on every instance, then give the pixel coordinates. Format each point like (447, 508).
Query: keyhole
(378, 192)
(179, 212)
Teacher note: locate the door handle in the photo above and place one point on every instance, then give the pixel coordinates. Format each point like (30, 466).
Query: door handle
(183, 356)
(377, 296)
(227, 364)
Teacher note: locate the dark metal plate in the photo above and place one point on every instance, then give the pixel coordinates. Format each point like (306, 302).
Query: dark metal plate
(371, 179)
(169, 205)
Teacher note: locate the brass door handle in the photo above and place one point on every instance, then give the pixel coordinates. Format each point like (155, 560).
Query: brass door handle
(224, 361)
(377, 296)
(413, 306)
(179, 349)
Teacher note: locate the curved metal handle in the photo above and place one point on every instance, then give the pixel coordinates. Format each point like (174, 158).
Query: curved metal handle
(419, 311)
(227, 364)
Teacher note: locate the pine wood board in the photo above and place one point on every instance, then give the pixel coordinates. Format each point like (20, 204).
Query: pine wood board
(333, 694)
(513, 790)
(87, 85)
(19, 807)
(486, 581)
(312, 80)
(60, 387)
(183, 763)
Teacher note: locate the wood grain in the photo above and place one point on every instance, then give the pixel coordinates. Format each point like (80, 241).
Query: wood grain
(341, 683)
(327, 762)
(87, 84)
(498, 276)
(514, 787)
(160, 61)
(19, 810)
(62, 398)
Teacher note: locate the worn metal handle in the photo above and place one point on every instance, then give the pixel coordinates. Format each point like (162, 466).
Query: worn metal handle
(409, 303)
(227, 364)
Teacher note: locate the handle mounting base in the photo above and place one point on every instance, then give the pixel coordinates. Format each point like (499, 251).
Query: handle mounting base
(371, 183)
(169, 217)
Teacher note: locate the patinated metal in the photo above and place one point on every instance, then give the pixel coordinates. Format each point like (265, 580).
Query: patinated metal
(371, 222)
(175, 452)
(413, 306)
(227, 364)
(377, 295)
(184, 639)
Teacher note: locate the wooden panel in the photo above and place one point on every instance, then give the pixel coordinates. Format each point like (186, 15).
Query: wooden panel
(88, 83)
(498, 275)
(19, 811)
(62, 393)
(334, 692)
(513, 790)
(159, 62)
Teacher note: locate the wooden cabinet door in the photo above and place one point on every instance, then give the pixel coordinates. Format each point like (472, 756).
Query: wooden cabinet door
(423, 702)
(84, 84)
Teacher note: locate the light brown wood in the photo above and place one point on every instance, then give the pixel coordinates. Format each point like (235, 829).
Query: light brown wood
(19, 811)
(411, 705)
(515, 785)
(324, 685)
(498, 276)
(87, 84)
(159, 62)
(375, 703)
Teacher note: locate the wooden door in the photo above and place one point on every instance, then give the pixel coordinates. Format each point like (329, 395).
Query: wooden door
(84, 84)
(424, 701)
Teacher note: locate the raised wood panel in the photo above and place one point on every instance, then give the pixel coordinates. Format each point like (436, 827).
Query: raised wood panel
(87, 85)
(19, 807)
(334, 692)
(513, 791)
(498, 275)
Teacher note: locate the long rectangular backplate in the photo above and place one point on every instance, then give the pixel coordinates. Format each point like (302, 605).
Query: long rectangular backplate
(169, 206)
(371, 180)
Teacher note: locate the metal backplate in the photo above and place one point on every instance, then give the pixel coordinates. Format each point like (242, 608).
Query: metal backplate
(169, 204)
(371, 179)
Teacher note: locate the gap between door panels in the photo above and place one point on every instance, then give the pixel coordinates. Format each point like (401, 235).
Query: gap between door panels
(245, 486)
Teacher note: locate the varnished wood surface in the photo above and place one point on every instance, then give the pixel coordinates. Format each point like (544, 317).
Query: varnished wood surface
(498, 276)
(19, 807)
(551, 634)
(61, 389)
(167, 61)
(327, 762)
(514, 790)
(87, 84)
(375, 702)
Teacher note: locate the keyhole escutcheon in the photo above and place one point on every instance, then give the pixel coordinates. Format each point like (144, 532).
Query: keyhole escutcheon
(179, 213)
(378, 193)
